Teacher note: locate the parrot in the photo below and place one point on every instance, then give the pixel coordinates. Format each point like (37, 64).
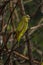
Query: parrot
(22, 27)
(20, 31)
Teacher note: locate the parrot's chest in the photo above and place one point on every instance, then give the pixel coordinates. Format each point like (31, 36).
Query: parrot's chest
(22, 32)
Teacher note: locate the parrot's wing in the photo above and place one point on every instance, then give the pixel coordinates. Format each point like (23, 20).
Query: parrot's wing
(20, 26)
(22, 31)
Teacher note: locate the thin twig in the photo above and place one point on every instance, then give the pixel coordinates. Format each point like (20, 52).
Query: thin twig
(33, 29)
(20, 55)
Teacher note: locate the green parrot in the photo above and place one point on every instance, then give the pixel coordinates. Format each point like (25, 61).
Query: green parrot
(22, 27)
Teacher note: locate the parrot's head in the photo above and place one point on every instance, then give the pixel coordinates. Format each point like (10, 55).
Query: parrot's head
(27, 18)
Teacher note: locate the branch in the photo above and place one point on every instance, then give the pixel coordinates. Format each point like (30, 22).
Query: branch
(22, 10)
(24, 57)
(27, 1)
(3, 6)
(33, 29)
(16, 15)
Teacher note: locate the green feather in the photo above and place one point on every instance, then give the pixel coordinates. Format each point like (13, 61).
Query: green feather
(22, 27)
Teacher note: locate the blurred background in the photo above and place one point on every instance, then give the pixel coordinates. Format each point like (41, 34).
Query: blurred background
(30, 50)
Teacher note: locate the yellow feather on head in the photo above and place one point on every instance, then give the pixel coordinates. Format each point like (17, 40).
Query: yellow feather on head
(26, 17)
